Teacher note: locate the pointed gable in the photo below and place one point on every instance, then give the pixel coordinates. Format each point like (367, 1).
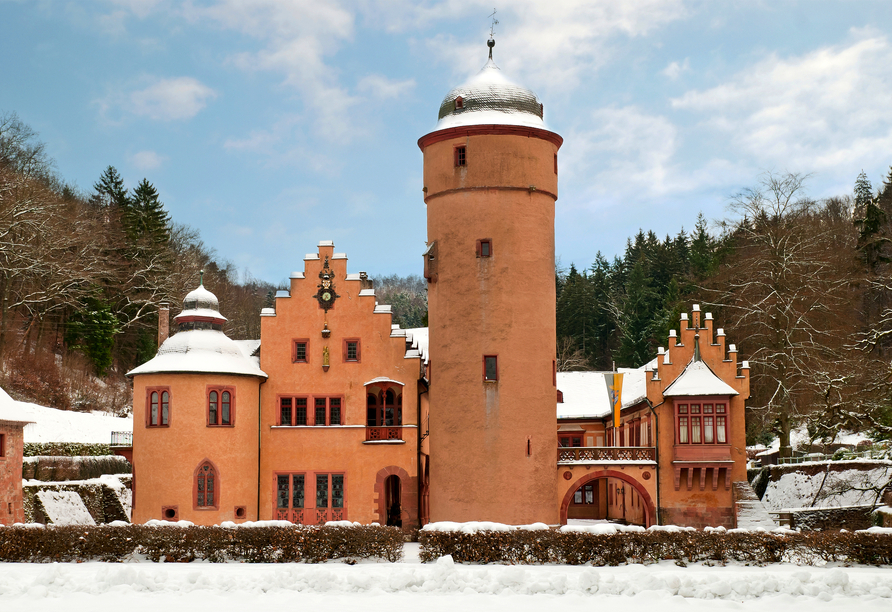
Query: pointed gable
(698, 379)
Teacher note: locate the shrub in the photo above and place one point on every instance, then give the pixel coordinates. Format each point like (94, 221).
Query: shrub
(577, 548)
(66, 449)
(253, 544)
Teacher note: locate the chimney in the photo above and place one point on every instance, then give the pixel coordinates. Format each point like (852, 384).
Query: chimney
(365, 282)
(163, 322)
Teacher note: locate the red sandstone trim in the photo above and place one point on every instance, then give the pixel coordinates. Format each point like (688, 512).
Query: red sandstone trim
(220, 390)
(217, 486)
(489, 130)
(449, 191)
(648, 502)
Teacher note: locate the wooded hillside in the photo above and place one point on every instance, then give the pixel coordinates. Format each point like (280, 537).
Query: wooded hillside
(82, 275)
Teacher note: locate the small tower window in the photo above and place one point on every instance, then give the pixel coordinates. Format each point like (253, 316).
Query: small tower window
(459, 103)
(484, 247)
(461, 156)
(490, 368)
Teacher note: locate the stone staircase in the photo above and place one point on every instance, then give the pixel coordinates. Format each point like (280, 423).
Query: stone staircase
(748, 509)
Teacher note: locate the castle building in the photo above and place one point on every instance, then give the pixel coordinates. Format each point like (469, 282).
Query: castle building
(337, 414)
(12, 442)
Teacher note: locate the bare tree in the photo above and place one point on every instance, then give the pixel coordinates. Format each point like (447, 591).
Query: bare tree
(571, 358)
(787, 291)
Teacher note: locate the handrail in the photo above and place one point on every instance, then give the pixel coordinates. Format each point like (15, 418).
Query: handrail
(595, 454)
(121, 438)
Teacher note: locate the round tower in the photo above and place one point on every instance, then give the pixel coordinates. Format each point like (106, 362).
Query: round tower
(195, 419)
(490, 184)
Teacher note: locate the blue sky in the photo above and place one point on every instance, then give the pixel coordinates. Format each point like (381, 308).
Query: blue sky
(271, 125)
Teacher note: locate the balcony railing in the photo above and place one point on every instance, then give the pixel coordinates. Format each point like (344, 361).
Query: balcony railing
(597, 454)
(375, 434)
(121, 438)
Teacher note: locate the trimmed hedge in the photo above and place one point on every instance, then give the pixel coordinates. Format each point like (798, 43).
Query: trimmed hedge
(215, 544)
(575, 548)
(55, 468)
(66, 449)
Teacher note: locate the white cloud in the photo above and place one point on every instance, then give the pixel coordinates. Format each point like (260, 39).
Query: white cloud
(624, 147)
(812, 112)
(382, 88)
(171, 99)
(674, 69)
(555, 44)
(147, 160)
(296, 34)
(258, 141)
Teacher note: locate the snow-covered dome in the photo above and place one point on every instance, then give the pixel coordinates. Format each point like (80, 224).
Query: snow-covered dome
(200, 350)
(489, 98)
(200, 345)
(200, 305)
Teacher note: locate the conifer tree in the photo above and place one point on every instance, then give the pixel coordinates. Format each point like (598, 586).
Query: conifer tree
(110, 190)
(146, 217)
(702, 253)
(871, 222)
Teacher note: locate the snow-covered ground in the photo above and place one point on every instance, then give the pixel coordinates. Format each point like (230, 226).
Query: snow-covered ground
(52, 425)
(827, 489)
(442, 586)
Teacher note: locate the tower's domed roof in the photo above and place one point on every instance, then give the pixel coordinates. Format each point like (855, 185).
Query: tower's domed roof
(200, 303)
(200, 346)
(489, 98)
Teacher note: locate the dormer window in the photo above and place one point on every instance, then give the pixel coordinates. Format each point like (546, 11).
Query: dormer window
(459, 103)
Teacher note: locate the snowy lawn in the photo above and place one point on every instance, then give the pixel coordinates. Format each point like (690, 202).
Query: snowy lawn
(442, 586)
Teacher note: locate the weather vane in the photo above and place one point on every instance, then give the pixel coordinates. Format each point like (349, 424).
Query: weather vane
(492, 32)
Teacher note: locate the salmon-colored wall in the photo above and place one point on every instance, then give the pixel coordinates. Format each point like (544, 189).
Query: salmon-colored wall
(336, 449)
(12, 509)
(165, 458)
(502, 305)
(700, 504)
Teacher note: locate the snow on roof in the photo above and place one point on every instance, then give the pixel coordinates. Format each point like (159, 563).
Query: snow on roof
(53, 425)
(383, 379)
(418, 337)
(65, 508)
(698, 379)
(585, 393)
(200, 350)
(489, 98)
(11, 410)
(200, 312)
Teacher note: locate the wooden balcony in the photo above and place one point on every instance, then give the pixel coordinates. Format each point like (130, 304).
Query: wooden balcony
(602, 454)
(382, 434)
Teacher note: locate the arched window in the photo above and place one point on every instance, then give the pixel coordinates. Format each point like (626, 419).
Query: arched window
(389, 403)
(158, 407)
(207, 490)
(221, 406)
(371, 410)
(459, 102)
(165, 407)
(225, 408)
(212, 408)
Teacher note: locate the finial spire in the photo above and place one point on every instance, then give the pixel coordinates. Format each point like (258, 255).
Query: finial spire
(697, 348)
(492, 32)
(201, 278)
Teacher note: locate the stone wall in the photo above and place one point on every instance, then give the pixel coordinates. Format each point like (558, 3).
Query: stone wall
(11, 507)
(698, 517)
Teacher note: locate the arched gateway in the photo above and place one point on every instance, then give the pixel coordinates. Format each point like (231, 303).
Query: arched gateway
(599, 495)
